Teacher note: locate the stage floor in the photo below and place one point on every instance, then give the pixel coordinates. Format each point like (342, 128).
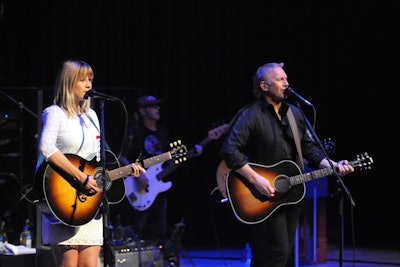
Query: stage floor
(226, 257)
(231, 257)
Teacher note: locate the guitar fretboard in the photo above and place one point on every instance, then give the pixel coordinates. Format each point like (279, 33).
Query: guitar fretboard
(364, 162)
(302, 178)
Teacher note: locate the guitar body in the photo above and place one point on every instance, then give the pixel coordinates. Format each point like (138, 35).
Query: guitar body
(142, 198)
(70, 203)
(249, 206)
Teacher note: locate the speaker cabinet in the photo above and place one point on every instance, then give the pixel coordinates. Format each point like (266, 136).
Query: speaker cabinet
(128, 256)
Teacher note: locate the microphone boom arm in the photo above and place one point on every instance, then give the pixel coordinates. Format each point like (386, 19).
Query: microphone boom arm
(299, 97)
(95, 94)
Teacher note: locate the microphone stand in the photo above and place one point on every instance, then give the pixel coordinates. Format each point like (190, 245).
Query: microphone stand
(21, 108)
(106, 230)
(107, 248)
(340, 190)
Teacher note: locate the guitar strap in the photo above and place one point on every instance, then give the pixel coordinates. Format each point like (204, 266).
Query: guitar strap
(296, 135)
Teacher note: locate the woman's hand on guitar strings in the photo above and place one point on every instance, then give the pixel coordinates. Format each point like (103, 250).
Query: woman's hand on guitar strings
(137, 169)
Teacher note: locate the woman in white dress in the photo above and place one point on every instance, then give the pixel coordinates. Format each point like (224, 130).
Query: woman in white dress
(71, 126)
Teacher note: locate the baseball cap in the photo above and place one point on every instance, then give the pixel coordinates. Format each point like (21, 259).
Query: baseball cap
(147, 100)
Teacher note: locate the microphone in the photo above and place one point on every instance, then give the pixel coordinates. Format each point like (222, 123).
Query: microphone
(297, 96)
(95, 94)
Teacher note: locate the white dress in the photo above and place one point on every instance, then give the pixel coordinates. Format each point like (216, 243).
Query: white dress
(79, 135)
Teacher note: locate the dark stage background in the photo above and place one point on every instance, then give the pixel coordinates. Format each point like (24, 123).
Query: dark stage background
(200, 57)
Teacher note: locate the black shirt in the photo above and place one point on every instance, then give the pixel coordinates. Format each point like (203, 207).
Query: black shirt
(257, 135)
(144, 143)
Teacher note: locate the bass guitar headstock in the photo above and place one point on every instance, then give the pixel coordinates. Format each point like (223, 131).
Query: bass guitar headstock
(329, 145)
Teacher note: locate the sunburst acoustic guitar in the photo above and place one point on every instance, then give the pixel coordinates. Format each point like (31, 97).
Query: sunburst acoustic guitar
(250, 207)
(223, 170)
(74, 205)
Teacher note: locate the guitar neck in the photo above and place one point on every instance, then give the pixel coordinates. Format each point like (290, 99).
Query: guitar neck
(205, 141)
(361, 164)
(213, 134)
(156, 159)
(167, 171)
(192, 152)
(305, 177)
(127, 170)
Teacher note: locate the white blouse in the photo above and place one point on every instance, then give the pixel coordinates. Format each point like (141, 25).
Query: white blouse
(79, 135)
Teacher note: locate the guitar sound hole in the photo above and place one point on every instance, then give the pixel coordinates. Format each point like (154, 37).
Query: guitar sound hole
(98, 176)
(282, 183)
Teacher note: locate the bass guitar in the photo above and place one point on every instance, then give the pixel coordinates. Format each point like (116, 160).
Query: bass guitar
(73, 205)
(142, 198)
(251, 207)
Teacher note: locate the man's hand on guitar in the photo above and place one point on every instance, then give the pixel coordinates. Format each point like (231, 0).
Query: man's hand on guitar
(263, 186)
(343, 167)
(260, 182)
(199, 149)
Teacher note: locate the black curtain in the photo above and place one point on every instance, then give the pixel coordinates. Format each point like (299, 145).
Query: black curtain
(200, 57)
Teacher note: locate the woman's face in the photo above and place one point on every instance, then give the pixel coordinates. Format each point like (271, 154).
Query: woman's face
(83, 85)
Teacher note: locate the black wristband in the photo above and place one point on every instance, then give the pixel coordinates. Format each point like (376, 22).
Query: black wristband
(86, 181)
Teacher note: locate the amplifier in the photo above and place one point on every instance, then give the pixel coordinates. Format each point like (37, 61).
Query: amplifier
(132, 256)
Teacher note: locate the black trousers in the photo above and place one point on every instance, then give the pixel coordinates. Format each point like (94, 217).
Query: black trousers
(272, 241)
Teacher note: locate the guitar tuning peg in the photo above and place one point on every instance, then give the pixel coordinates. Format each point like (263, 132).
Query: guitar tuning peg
(175, 143)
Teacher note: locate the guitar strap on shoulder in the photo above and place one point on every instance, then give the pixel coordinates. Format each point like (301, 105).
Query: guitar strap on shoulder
(296, 135)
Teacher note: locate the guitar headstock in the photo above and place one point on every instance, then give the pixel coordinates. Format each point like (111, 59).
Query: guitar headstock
(178, 151)
(329, 145)
(362, 162)
(216, 133)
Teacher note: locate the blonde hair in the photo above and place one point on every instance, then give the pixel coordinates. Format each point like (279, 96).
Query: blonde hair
(70, 73)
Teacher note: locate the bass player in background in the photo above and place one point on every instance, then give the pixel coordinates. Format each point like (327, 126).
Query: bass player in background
(261, 134)
(147, 137)
(71, 126)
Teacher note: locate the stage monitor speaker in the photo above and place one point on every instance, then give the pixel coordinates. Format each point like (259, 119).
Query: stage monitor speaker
(129, 256)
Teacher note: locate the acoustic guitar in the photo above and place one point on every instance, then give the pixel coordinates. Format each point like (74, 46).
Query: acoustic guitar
(74, 205)
(251, 207)
(223, 170)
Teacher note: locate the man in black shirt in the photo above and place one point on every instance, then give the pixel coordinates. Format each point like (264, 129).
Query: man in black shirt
(261, 134)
